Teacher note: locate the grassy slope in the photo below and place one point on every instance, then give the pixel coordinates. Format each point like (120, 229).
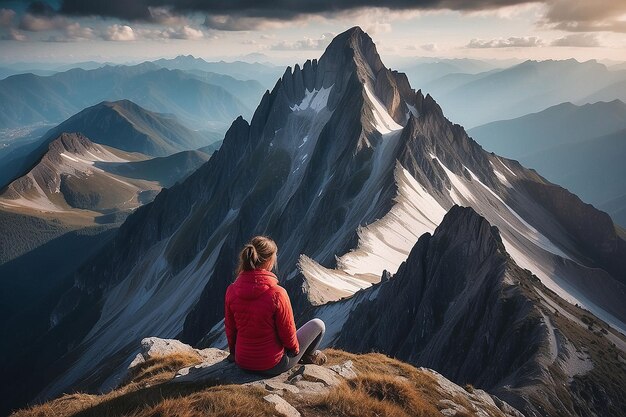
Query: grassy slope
(384, 387)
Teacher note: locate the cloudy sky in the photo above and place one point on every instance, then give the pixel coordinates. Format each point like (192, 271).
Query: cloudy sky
(284, 31)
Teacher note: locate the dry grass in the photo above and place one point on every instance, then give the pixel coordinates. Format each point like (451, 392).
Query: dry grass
(223, 401)
(384, 387)
(67, 405)
(374, 395)
(161, 369)
(378, 363)
(152, 372)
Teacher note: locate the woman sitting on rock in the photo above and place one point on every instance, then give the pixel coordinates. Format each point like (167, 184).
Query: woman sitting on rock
(259, 319)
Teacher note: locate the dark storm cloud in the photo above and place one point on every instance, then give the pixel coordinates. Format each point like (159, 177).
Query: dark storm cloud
(273, 9)
(567, 15)
(40, 8)
(586, 15)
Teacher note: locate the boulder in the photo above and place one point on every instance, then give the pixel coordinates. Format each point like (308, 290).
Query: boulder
(282, 407)
(154, 346)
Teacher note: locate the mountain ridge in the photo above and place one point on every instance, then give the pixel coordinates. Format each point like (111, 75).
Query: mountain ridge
(329, 186)
(121, 124)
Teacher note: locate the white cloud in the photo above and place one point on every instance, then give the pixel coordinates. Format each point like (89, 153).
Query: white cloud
(430, 47)
(13, 35)
(377, 27)
(119, 33)
(75, 31)
(41, 23)
(306, 44)
(184, 32)
(583, 40)
(512, 42)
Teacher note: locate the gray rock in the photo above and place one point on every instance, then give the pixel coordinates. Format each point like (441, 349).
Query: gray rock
(274, 385)
(345, 370)
(212, 355)
(315, 373)
(282, 406)
(308, 388)
(154, 346)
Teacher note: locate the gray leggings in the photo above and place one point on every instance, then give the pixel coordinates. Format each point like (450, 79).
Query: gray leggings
(309, 337)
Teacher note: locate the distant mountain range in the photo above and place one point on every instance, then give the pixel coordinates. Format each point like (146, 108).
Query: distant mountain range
(122, 125)
(423, 73)
(28, 99)
(263, 73)
(579, 147)
(77, 183)
(532, 86)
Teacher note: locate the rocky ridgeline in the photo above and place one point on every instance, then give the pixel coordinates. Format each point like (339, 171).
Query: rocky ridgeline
(303, 383)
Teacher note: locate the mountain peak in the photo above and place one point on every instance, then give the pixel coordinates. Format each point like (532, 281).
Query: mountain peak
(70, 142)
(362, 47)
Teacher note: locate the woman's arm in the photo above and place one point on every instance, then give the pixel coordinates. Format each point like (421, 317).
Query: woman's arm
(285, 324)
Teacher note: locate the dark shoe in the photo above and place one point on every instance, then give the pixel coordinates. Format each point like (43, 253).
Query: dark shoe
(315, 358)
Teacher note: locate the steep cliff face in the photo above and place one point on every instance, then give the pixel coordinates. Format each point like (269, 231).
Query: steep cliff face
(460, 304)
(345, 166)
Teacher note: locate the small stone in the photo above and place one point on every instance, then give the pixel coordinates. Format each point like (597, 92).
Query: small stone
(155, 346)
(345, 370)
(138, 359)
(271, 385)
(282, 406)
(452, 408)
(212, 355)
(311, 388)
(315, 373)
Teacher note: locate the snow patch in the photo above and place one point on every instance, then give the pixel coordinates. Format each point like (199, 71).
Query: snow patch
(502, 179)
(315, 100)
(384, 121)
(386, 243)
(332, 278)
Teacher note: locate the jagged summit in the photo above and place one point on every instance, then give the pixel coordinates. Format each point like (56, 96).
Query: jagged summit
(70, 142)
(356, 45)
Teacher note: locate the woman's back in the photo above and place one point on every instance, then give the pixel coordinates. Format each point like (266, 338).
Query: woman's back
(259, 317)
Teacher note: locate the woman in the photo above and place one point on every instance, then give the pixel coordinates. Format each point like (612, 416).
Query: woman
(259, 320)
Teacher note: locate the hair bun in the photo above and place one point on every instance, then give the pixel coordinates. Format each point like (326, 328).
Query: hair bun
(255, 253)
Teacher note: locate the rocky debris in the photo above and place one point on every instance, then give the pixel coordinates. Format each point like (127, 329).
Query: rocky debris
(478, 399)
(305, 382)
(345, 370)
(302, 380)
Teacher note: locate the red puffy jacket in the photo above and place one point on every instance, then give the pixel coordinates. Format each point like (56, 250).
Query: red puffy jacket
(259, 320)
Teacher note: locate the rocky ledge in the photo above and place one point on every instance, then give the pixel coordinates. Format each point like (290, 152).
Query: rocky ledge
(168, 377)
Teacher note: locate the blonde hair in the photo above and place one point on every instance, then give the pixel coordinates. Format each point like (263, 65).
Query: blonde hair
(256, 253)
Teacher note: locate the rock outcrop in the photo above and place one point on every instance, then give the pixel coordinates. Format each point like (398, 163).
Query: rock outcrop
(299, 391)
